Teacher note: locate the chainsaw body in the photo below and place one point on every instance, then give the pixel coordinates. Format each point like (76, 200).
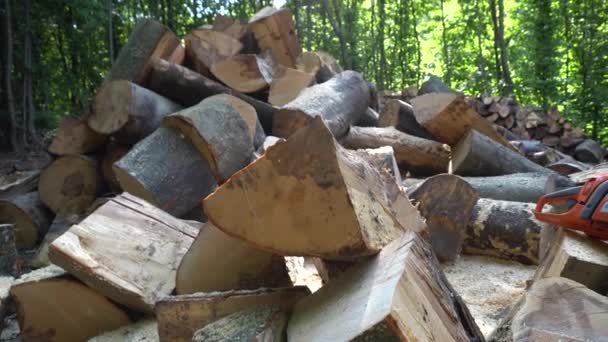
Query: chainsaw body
(588, 208)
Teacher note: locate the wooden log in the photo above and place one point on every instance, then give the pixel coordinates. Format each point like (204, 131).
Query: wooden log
(274, 30)
(478, 155)
(18, 183)
(74, 136)
(434, 84)
(556, 309)
(398, 295)
(416, 155)
(340, 101)
(114, 152)
(383, 159)
(448, 118)
(446, 202)
(589, 151)
(320, 64)
(504, 229)
(400, 115)
(287, 84)
(364, 214)
(260, 323)
(148, 40)
(188, 88)
(9, 259)
(145, 330)
(517, 187)
(167, 171)
(127, 249)
(179, 317)
(70, 184)
(29, 216)
(246, 73)
(52, 306)
(368, 119)
(205, 47)
(129, 111)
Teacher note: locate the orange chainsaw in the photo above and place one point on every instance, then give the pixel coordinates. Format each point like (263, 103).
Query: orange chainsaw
(587, 207)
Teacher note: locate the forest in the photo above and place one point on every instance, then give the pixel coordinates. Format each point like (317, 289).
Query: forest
(546, 53)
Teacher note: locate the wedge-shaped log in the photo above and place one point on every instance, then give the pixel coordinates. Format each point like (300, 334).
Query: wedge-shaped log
(74, 136)
(30, 217)
(274, 30)
(60, 225)
(52, 306)
(167, 171)
(400, 115)
(517, 187)
(70, 184)
(222, 129)
(129, 111)
(448, 118)
(240, 267)
(416, 155)
(238, 30)
(145, 330)
(113, 153)
(383, 159)
(398, 295)
(179, 317)
(127, 249)
(148, 40)
(287, 84)
(308, 196)
(340, 102)
(205, 47)
(320, 64)
(246, 73)
(478, 155)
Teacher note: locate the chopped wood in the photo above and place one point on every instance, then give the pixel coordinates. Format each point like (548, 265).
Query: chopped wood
(60, 225)
(369, 118)
(434, 84)
(18, 183)
(145, 330)
(589, 151)
(518, 187)
(74, 136)
(320, 64)
(287, 84)
(9, 259)
(113, 153)
(383, 159)
(30, 218)
(275, 31)
(400, 115)
(246, 73)
(205, 47)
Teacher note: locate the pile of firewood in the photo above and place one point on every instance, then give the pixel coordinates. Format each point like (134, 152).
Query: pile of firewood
(173, 202)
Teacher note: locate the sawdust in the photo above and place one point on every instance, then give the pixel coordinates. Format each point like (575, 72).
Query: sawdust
(304, 273)
(488, 286)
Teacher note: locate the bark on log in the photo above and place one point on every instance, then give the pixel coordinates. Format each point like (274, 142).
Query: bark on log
(127, 249)
(365, 212)
(320, 64)
(145, 330)
(18, 183)
(128, 111)
(222, 128)
(114, 152)
(246, 73)
(434, 84)
(287, 84)
(340, 102)
(504, 229)
(29, 216)
(416, 155)
(167, 171)
(446, 202)
(148, 40)
(244, 267)
(70, 184)
(274, 30)
(368, 119)
(583, 176)
(73, 136)
(400, 115)
(478, 155)
(205, 47)
(179, 317)
(589, 151)
(378, 293)
(9, 259)
(517, 187)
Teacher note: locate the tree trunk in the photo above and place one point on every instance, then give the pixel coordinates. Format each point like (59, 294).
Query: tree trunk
(504, 60)
(274, 30)
(446, 51)
(73, 136)
(8, 83)
(518, 187)
(30, 217)
(113, 153)
(336, 23)
(498, 70)
(287, 84)
(110, 33)
(400, 115)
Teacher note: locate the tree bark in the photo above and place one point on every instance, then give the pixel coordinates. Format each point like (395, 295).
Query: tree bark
(28, 110)
(110, 33)
(287, 84)
(30, 217)
(8, 83)
(400, 115)
(274, 30)
(518, 187)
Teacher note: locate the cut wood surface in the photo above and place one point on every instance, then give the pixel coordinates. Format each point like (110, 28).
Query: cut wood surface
(113, 153)
(127, 249)
(179, 317)
(167, 171)
(74, 136)
(320, 64)
(9, 259)
(368, 119)
(148, 40)
(240, 266)
(478, 155)
(60, 225)
(398, 295)
(416, 155)
(286, 204)
(52, 306)
(275, 30)
(446, 202)
(222, 129)
(129, 111)
(589, 151)
(246, 73)
(400, 115)
(340, 102)
(287, 84)
(30, 217)
(383, 159)
(70, 184)
(18, 183)
(205, 47)
(504, 229)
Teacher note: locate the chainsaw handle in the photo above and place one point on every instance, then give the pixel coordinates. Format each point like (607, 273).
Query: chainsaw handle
(558, 196)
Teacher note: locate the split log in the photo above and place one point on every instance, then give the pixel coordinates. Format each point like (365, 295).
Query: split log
(145, 330)
(246, 73)
(244, 267)
(400, 115)
(205, 47)
(274, 30)
(148, 40)
(30, 217)
(73, 136)
(300, 177)
(504, 229)
(589, 151)
(237, 30)
(320, 64)
(434, 84)
(262, 323)
(416, 155)
(52, 306)
(478, 155)
(556, 309)
(269, 141)
(368, 119)
(167, 171)
(114, 152)
(287, 84)
(129, 111)
(567, 166)
(400, 294)
(188, 88)
(18, 183)
(340, 101)
(70, 184)
(448, 117)
(179, 317)
(446, 202)
(127, 249)
(9, 259)
(60, 225)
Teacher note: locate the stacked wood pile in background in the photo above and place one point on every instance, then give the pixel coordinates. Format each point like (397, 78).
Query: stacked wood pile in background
(172, 205)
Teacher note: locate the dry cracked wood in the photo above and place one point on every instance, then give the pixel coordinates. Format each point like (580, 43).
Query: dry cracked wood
(74, 136)
(247, 73)
(518, 187)
(30, 217)
(589, 151)
(274, 30)
(205, 47)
